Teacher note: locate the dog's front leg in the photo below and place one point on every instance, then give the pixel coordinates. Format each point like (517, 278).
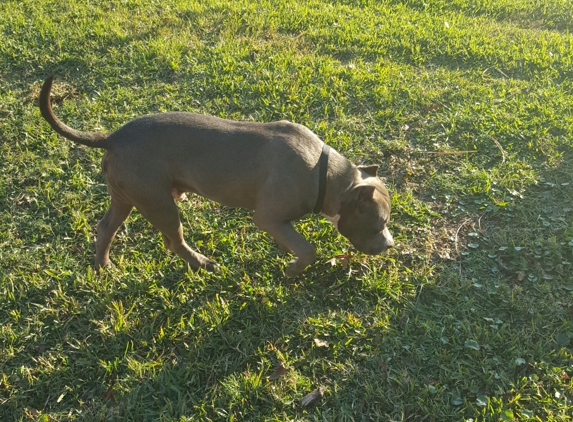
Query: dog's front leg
(288, 238)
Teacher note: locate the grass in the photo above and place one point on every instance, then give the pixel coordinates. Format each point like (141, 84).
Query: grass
(468, 318)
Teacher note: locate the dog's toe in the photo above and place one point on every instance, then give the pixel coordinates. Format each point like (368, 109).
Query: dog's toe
(208, 264)
(212, 266)
(293, 268)
(99, 267)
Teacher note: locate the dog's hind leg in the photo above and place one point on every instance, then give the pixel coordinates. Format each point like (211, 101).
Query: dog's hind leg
(163, 214)
(107, 228)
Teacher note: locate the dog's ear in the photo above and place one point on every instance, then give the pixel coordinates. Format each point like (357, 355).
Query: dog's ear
(365, 195)
(370, 170)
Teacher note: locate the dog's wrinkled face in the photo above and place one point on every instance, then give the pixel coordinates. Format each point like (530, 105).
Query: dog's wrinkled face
(364, 217)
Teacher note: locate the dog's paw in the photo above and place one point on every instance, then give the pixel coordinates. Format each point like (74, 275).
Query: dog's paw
(213, 267)
(208, 264)
(294, 268)
(101, 266)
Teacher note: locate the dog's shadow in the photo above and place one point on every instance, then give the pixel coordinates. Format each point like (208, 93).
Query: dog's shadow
(207, 332)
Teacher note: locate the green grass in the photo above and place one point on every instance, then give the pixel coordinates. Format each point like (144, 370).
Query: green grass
(469, 317)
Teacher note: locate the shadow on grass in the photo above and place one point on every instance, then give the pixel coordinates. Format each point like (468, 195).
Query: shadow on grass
(165, 343)
(494, 325)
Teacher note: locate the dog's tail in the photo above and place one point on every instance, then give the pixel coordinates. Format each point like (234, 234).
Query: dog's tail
(90, 139)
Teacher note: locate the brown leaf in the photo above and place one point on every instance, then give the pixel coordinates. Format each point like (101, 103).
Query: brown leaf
(32, 413)
(313, 397)
(344, 259)
(110, 393)
(279, 373)
(431, 107)
(321, 343)
(383, 366)
(77, 248)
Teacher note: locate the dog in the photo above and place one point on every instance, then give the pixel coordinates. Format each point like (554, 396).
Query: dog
(281, 170)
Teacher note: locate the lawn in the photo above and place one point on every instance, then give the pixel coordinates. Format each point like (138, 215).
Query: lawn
(467, 106)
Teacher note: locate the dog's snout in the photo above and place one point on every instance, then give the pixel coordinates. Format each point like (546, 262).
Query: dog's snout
(378, 245)
(389, 243)
(389, 240)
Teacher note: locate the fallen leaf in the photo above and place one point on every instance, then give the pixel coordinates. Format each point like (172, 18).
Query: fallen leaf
(32, 413)
(110, 393)
(520, 275)
(77, 249)
(279, 373)
(313, 397)
(383, 366)
(344, 259)
(321, 343)
(431, 107)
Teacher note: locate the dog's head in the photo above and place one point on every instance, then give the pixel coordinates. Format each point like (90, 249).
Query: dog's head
(365, 213)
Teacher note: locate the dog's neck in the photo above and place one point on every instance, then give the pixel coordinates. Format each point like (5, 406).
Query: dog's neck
(340, 177)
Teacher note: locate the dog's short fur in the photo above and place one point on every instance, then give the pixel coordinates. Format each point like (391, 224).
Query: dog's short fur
(271, 168)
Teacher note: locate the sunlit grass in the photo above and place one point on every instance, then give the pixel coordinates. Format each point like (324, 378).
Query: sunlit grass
(466, 107)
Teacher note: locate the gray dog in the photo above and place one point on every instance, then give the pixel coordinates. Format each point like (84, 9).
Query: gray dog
(281, 170)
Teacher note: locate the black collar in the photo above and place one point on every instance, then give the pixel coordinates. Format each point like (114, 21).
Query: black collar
(322, 169)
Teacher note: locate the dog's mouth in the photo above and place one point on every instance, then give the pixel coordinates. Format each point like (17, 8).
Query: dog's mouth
(379, 246)
(375, 251)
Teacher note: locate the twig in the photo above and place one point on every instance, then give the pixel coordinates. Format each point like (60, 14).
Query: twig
(495, 68)
(458, 231)
(499, 146)
(456, 244)
(479, 220)
(447, 152)
(456, 239)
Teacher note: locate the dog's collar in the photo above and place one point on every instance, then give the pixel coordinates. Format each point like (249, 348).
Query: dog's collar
(322, 169)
